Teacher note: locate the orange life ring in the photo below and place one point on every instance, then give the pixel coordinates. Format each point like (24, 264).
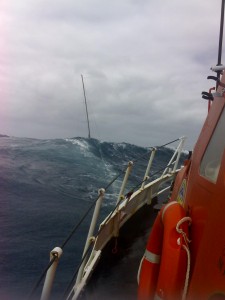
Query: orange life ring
(165, 278)
(149, 266)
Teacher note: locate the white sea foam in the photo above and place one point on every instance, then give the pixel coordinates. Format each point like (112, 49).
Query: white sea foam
(80, 143)
(83, 145)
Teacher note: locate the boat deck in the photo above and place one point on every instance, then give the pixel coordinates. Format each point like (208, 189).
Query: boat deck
(115, 276)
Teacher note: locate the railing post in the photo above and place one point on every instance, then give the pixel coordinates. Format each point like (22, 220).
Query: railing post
(148, 167)
(182, 140)
(49, 279)
(101, 193)
(178, 153)
(123, 186)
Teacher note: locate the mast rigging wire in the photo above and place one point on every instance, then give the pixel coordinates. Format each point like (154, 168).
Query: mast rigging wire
(85, 101)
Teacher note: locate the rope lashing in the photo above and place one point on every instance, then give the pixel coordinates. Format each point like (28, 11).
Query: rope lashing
(186, 248)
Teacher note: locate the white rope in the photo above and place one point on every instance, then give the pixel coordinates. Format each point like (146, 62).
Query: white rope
(186, 248)
(179, 230)
(184, 219)
(139, 270)
(187, 272)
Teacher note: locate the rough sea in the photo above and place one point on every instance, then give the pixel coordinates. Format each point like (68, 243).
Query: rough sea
(46, 186)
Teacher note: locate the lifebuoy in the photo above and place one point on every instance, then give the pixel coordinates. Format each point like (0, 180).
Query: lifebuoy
(168, 239)
(149, 266)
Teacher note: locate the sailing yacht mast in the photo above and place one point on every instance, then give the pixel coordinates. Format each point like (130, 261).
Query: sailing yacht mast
(85, 100)
(220, 38)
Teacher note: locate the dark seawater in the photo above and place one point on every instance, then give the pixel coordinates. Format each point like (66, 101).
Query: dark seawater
(45, 188)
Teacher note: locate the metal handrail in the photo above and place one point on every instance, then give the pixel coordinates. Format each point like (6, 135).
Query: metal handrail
(123, 199)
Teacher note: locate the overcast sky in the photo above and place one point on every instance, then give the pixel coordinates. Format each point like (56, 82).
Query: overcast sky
(144, 62)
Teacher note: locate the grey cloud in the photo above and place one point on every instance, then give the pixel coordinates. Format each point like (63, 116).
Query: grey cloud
(144, 63)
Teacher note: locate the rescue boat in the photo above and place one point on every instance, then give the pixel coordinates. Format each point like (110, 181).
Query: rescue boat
(185, 254)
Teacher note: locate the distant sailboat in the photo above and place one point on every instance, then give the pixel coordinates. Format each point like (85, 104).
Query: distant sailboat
(85, 100)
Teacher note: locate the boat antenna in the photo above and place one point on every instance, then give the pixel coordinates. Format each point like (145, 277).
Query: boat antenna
(85, 100)
(220, 38)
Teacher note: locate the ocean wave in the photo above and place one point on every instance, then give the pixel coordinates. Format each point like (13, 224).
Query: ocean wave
(46, 186)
